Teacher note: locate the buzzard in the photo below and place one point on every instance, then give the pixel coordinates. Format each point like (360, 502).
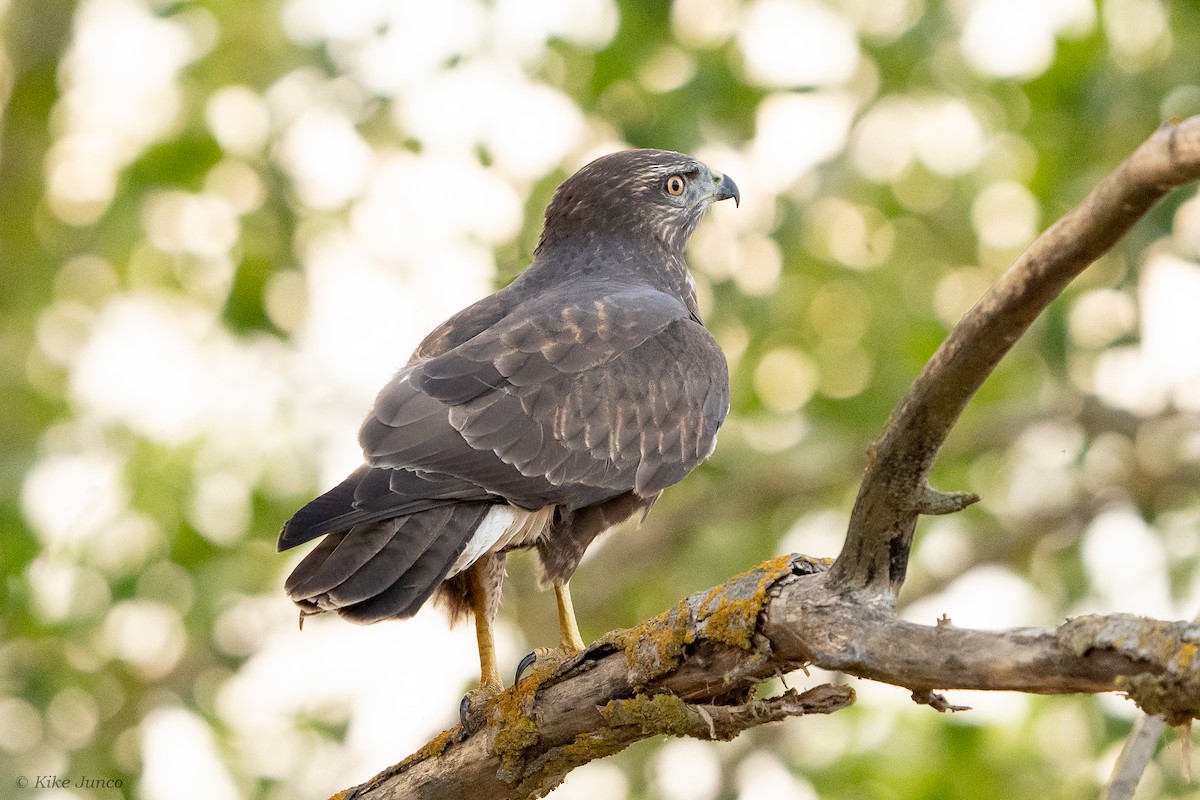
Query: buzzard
(538, 417)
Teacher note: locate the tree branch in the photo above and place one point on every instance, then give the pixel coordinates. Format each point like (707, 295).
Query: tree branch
(874, 558)
(692, 671)
(1135, 757)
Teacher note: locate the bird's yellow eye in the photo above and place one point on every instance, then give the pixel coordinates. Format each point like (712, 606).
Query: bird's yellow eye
(675, 185)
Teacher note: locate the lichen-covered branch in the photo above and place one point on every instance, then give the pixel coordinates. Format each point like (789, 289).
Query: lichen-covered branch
(894, 491)
(693, 670)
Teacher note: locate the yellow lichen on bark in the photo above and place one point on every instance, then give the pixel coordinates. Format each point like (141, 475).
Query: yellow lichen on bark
(513, 710)
(1175, 694)
(728, 614)
(655, 646)
(1187, 654)
(434, 747)
(733, 619)
(548, 772)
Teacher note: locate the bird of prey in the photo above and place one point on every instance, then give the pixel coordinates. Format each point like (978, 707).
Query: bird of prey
(538, 417)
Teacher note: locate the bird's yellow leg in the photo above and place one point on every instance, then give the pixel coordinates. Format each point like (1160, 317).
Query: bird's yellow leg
(489, 674)
(569, 640)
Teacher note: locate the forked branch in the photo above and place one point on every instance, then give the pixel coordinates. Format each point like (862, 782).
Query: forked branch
(693, 671)
(874, 558)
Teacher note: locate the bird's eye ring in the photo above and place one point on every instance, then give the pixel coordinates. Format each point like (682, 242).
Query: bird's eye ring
(675, 185)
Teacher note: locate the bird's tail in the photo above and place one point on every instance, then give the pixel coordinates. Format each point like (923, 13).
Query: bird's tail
(382, 569)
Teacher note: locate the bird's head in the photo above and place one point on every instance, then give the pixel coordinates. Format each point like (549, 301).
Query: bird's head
(634, 192)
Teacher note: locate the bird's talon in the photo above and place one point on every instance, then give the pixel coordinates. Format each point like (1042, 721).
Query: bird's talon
(471, 708)
(538, 654)
(525, 663)
(541, 655)
(464, 711)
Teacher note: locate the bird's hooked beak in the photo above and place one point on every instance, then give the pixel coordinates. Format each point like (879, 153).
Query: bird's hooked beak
(726, 188)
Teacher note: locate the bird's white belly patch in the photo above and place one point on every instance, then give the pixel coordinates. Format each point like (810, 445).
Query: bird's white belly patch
(504, 526)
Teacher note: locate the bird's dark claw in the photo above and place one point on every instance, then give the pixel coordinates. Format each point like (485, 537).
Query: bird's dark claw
(464, 711)
(526, 662)
(472, 709)
(553, 658)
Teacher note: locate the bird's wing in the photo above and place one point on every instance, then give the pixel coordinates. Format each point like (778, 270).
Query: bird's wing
(574, 397)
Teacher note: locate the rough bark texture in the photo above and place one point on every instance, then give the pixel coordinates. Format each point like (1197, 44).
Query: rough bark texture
(692, 671)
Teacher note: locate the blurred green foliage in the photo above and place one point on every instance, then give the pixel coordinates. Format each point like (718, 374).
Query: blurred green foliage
(781, 478)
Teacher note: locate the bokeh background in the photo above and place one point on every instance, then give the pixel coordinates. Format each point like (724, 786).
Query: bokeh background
(223, 225)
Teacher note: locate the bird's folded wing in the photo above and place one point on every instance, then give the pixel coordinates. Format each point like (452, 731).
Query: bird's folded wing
(572, 398)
